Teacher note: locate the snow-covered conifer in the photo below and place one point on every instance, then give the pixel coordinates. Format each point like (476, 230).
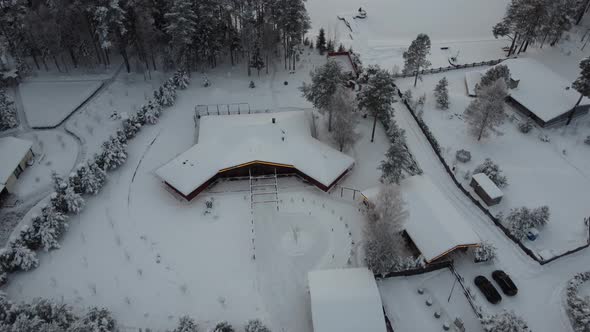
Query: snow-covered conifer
(504, 321)
(50, 226)
(58, 196)
(582, 84)
(321, 41)
(181, 79)
(377, 95)
(29, 234)
(325, 80)
(256, 60)
(95, 320)
(181, 27)
(114, 153)
(22, 258)
(223, 327)
(8, 117)
(256, 325)
(415, 57)
(131, 126)
(74, 200)
(441, 94)
(486, 112)
(152, 113)
(186, 324)
(397, 158)
(168, 95)
(493, 171)
(92, 177)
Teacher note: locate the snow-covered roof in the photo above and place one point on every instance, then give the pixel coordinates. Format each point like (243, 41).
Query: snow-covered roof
(227, 141)
(541, 91)
(488, 186)
(343, 58)
(345, 300)
(472, 78)
(434, 224)
(12, 151)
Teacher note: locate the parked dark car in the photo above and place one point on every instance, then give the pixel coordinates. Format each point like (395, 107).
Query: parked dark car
(488, 290)
(504, 281)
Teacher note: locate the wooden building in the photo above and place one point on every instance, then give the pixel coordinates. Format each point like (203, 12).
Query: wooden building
(486, 189)
(15, 155)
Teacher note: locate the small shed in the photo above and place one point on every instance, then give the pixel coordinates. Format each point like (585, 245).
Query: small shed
(486, 189)
(15, 155)
(345, 300)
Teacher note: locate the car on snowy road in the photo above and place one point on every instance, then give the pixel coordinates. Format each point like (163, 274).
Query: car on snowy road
(488, 290)
(505, 282)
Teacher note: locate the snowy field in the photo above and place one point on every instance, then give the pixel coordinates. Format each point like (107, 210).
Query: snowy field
(136, 241)
(48, 103)
(539, 173)
(464, 26)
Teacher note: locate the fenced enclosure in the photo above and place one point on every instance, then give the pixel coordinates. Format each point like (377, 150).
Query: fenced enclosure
(223, 109)
(451, 67)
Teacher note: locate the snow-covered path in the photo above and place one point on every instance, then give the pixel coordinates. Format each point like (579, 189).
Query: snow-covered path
(540, 299)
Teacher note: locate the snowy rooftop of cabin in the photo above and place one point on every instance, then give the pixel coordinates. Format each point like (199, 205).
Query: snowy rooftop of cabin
(227, 141)
(12, 152)
(488, 186)
(345, 300)
(541, 91)
(434, 224)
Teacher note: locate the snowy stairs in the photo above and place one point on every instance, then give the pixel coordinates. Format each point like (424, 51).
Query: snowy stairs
(264, 189)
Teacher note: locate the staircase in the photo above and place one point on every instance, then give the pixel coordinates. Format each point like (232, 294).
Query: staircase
(264, 189)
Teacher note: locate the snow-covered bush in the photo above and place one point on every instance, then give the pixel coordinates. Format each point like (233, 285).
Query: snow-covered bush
(186, 324)
(485, 252)
(493, 171)
(544, 138)
(181, 79)
(95, 320)
(578, 308)
(113, 154)
(8, 117)
(526, 126)
(441, 93)
(223, 327)
(504, 321)
(252, 85)
(522, 219)
(408, 97)
(16, 256)
(256, 325)
(463, 156)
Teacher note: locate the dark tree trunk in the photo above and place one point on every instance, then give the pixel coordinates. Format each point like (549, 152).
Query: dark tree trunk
(512, 45)
(416, 79)
(56, 63)
(126, 59)
(374, 126)
(35, 59)
(73, 57)
(330, 120)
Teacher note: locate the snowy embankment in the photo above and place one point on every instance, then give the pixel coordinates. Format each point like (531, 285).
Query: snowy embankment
(48, 103)
(539, 173)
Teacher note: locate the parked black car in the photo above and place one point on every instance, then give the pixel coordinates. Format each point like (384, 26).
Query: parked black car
(488, 290)
(504, 281)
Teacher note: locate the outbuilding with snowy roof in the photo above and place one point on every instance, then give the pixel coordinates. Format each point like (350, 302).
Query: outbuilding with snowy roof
(15, 154)
(486, 189)
(539, 92)
(246, 145)
(345, 300)
(434, 225)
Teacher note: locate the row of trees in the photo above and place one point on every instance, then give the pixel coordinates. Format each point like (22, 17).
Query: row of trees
(538, 21)
(8, 118)
(187, 34)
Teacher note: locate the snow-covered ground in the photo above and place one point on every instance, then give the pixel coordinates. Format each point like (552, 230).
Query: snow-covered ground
(136, 242)
(48, 103)
(464, 26)
(539, 173)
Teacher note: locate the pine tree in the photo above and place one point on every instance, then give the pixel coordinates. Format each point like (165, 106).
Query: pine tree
(186, 324)
(113, 154)
(256, 61)
(95, 320)
(181, 79)
(397, 158)
(486, 112)
(441, 93)
(415, 57)
(504, 321)
(8, 117)
(152, 112)
(21, 257)
(582, 85)
(74, 200)
(377, 95)
(256, 325)
(325, 81)
(223, 327)
(321, 41)
(330, 46)
(49, 227)
(181, 28)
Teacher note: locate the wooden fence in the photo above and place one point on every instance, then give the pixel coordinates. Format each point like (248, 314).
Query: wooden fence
(496, 221)
(451, 67)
